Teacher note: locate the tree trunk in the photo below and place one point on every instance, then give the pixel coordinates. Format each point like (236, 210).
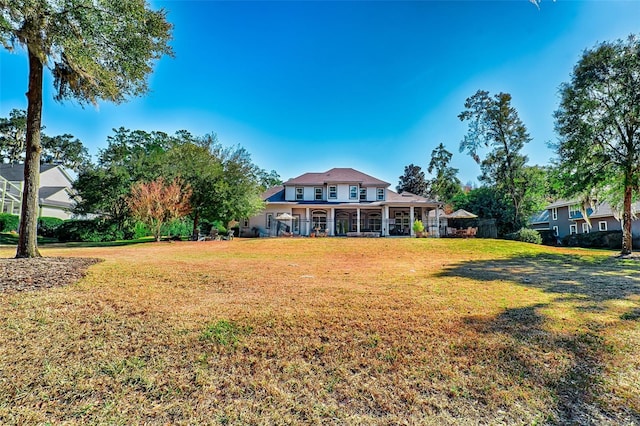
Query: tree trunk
(196, 223)
(28, 240)
(627, 237)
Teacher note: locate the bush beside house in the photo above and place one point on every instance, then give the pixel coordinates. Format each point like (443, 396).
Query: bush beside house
(600, 239)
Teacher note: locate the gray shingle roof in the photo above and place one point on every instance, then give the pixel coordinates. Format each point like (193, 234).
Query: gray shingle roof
(337, 175)
(15, 172)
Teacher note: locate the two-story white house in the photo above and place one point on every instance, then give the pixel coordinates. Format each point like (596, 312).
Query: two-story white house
(55, 197)
(341, 202)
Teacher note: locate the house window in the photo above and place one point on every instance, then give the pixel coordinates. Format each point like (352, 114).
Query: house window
(573, 229)
(353, 192)
(380, 194)
(554, 213)
(574, 210)
(299, 194)
(555, 231)
(363, 194)
(375, 222)
(585, 228)
(333, 192)
(245, 223)
(318, 193)
(269, 220)
(602, 226)
(319, 220)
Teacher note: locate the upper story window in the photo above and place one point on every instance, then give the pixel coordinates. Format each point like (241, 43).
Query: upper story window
(363, 194)
(299, 193)
(554, 213)
(353, 192)
(602, 226)
(333, 192)
(380, 194)
(318, 193)
(574, 210)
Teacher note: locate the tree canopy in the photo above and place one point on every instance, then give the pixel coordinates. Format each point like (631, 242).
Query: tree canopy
(414, 181)
(598, 123)
(445, 183)
(96, 51)
(494, 125)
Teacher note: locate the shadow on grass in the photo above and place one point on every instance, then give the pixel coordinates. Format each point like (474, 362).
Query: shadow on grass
(12, 240)
(568, 365)
(590, 279)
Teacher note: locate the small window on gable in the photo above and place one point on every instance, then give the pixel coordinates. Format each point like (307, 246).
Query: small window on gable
(318, 193)
(363, 194)
(333, 192)
(299, 194)
(353, 192)
(602, 226)
(554, 213)
(380, 194)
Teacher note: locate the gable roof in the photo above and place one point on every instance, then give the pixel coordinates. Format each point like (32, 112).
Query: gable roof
(406, 197)
(274, 194)
(15, 172)
(48, 191)
(337, 175)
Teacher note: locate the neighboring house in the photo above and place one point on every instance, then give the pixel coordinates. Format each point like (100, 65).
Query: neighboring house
(55, 197)
(565, 217)
(340, 202)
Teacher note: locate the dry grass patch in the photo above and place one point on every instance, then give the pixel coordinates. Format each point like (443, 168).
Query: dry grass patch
(316, 331)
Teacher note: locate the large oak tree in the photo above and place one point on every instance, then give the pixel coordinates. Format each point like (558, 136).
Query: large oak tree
(599, 127)
(96, 50)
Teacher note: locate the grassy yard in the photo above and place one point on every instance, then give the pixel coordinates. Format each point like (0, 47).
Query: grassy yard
(327, 331)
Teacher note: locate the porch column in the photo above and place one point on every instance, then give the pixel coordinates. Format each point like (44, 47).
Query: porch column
(437, 222)
(332, 225)
(358, 220)
(385, 221)
(411, 219)
(308, 223)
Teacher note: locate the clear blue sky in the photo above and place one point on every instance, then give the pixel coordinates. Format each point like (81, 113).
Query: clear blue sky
(307, 86)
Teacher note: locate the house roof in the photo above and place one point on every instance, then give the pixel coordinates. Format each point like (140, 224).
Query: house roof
(406, 197)
(47, 191)
(562, 203)
(337, 175)
(274, 194)
(540, 217)
(15, 172)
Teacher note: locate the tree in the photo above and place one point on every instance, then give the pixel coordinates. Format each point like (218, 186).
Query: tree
(64, 150)
(598, 122)
(158, 202)
(445, 184)
(13, 133)
(413, 180)
(96, 50)
(488, 203)
(494, 124)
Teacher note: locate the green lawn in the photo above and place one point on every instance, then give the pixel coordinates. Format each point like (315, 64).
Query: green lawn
(327, 331)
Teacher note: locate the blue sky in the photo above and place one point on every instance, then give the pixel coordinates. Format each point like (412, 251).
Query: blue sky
(309, 85)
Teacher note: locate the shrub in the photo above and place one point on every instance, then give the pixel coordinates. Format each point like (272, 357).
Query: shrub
(525, 235)
(96, 230)
(600, 239)
(9, 222)
(47, 226)
(181, 227)
(418, 226)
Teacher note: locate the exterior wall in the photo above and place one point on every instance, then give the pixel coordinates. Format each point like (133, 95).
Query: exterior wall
(54, 177)
(343, 193)
(60, 213)
(562, 222)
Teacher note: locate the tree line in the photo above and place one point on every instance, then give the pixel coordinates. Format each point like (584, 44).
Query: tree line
(597, 151)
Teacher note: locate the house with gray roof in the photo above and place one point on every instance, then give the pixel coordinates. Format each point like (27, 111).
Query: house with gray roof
(55, 196)
(566, 217)
(340, 202)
